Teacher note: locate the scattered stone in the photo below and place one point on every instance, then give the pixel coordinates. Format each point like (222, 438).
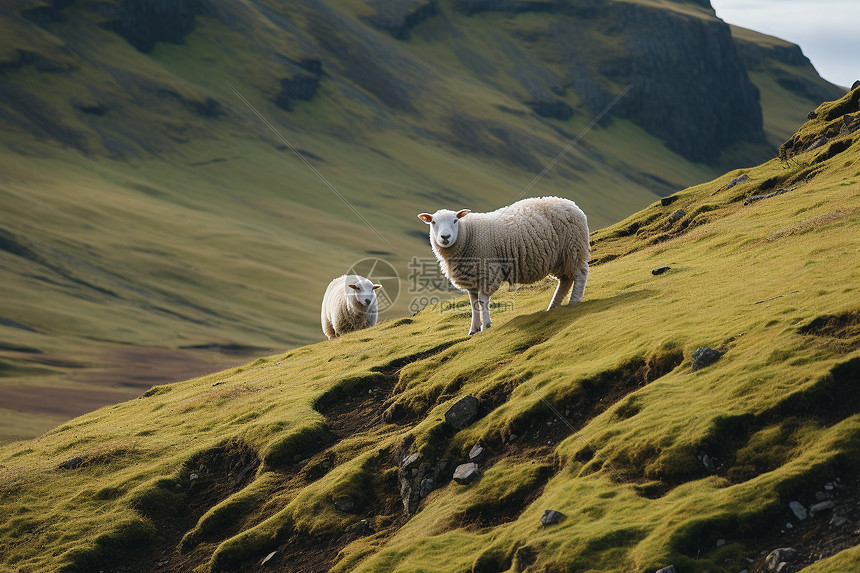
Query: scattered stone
(789, 525)
(755, 198)
(721, 542)
(193, 477)
(666, 201)
(427, 485)
(466, 473)
(838, 520)
(708, 462)
(705, 356)
(269, 557)
(738, 180)
(72, 464)
(345, 505)
(476, 453)
(360, 528)
(829, 486)
(817, 143)
(820, 506)
(462, 413)
(779, 556)
(410, 461)
(669, 569)
(677, 215)
(798, 510)
(551, 517)
(660, 270)
(512, 438)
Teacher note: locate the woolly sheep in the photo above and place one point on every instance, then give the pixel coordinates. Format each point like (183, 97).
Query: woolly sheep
(521, 243)
(349, 304)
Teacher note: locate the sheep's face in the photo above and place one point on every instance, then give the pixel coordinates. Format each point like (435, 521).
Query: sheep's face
(444, 225)
(362, 289)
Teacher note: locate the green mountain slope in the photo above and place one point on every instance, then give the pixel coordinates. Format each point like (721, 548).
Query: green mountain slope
(319, 458)
(152, 227)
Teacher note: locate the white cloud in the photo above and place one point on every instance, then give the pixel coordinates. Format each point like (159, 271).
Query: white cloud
(826, 30)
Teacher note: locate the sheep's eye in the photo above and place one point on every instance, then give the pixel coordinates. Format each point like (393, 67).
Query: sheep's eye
(432, 222)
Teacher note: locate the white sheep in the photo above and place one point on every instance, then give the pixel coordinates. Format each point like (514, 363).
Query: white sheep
(521, 243)
(349, 304)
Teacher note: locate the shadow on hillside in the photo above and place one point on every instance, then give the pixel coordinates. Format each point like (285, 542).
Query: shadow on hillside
(550, 323)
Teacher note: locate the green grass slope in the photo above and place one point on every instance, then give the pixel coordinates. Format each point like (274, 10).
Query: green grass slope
(154, 229)
(298, 460)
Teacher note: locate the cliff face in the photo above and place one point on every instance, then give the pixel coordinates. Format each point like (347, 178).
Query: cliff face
(690, 86)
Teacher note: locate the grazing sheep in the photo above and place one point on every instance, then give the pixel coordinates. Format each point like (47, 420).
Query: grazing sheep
(349, 304)
(521, 243)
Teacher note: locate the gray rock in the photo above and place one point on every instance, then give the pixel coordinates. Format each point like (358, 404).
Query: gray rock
(466, 473)
(721, 542)
(660, 270)
(410, 461)
(476, 453)
(360, 528)
(677, 215)
(269, 557)
(838, 520)
(820, 506)
(817, 143)
(427, 485)
(738, 181)
(778, 556)
(709, 462)
(798, 510)
(551, 517)
(462, 413)
(705, 356)
(669, 569)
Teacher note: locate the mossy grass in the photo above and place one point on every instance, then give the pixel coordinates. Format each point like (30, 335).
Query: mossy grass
(766, 284)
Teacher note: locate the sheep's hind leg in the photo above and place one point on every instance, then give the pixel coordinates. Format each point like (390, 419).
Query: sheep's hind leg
(561, 291)
(579, 284)
(484, 300)
(475, 301)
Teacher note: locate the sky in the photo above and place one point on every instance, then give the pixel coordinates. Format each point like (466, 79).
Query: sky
(826, 30)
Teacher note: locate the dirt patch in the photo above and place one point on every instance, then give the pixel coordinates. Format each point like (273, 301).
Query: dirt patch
(175, 506)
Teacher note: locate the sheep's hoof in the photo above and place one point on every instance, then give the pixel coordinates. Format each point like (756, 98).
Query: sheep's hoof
(486, 326)
(472, 332)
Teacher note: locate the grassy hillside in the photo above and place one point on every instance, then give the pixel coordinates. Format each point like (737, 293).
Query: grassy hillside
(153, 228)
(300, 459)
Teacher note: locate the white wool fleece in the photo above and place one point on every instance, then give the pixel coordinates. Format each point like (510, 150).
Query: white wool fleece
(349, 304)
(521, 243)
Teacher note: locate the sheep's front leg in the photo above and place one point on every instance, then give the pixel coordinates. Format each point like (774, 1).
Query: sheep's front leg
(484, 301)
(475, 301)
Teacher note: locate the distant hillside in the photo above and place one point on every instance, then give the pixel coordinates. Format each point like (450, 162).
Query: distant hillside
(699, 409)
(154, 228)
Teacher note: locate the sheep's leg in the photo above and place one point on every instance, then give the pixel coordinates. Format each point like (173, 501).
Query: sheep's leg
(475, 301)
(561, 291)
(579, 284)
(484, 300)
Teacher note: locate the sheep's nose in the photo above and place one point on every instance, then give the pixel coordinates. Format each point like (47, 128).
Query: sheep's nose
(367, 301)
(445, 237)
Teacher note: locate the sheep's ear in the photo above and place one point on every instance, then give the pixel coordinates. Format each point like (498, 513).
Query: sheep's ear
(426, 217)
(354, 287)
(376, 287)
(462, 213)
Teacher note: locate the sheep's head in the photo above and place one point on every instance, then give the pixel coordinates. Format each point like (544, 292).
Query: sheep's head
(362, 289)
(443, 226)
